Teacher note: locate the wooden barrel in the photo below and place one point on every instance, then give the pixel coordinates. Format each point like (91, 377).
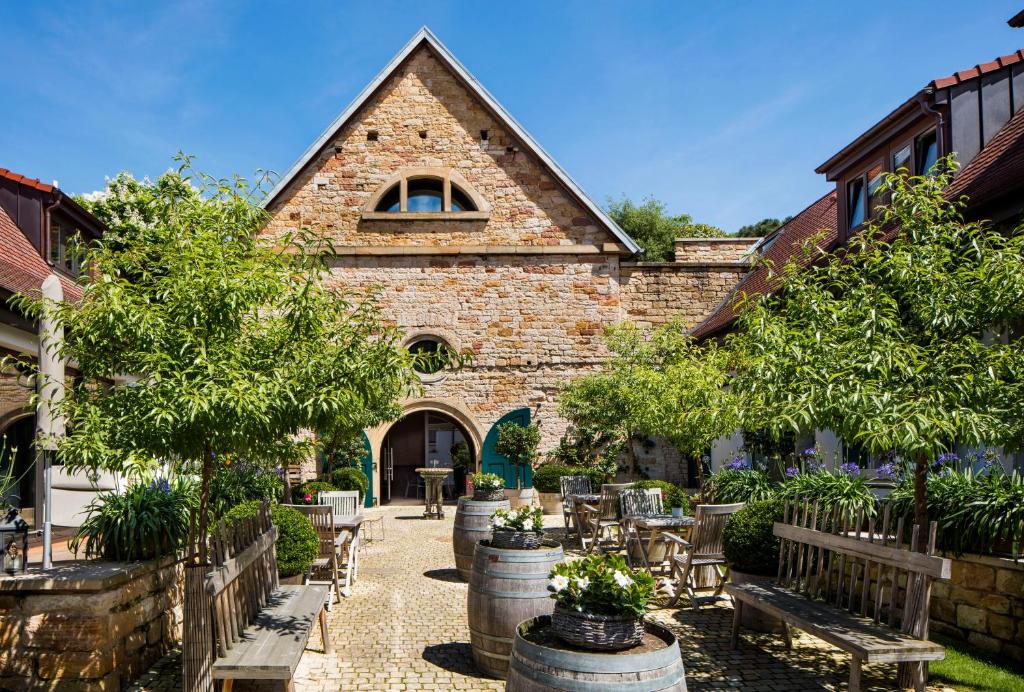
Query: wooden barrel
(539, 668)
(505, 588)
(472, 524)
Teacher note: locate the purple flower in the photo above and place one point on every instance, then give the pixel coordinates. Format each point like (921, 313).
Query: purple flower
(792, 472)
(946, 459)
(160, 485)
(811, 452)
(850, 468)
(738, 464)
(887, 471)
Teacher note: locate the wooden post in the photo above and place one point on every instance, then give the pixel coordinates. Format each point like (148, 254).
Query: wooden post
(197, 632)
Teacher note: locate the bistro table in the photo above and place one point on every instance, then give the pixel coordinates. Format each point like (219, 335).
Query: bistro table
(656, 524)
(347, 528)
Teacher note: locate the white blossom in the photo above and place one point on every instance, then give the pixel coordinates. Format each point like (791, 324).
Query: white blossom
(498, 521)
(582, 582)
(623, 580)
(559, 583)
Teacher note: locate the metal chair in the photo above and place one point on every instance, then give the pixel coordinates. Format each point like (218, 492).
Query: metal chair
(322, 519)
(572, 485)
(603, 520)
(702, 551)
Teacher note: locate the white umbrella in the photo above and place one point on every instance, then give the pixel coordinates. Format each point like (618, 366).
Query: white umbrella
(49, 423)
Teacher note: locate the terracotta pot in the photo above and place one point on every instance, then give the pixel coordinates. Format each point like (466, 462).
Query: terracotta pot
(294, 580)
(752, 618)
(551, 503)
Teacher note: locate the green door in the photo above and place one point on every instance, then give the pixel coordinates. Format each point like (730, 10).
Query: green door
(492, 462)
(368, 470)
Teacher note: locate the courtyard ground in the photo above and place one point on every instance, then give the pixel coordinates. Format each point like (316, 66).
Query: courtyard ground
(404, 628)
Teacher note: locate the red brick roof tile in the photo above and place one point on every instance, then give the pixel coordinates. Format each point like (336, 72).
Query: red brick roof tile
(978, 70)
(28, 182)
(22, 270)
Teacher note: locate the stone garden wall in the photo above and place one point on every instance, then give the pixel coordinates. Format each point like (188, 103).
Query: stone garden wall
(982, 604)
(87, 625)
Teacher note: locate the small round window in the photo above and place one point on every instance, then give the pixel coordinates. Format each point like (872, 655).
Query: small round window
(430, 355)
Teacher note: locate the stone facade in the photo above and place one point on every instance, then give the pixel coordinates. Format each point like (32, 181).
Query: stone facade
(93, 626)
(526, 284)
(983, 604)
(714, 250)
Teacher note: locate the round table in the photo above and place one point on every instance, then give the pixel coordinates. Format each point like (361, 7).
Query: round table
(433, 480)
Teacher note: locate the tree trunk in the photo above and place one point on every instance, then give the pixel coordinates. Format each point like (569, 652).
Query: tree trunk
(632, 456)
(921, 497)
(700, 474)
(204, 503)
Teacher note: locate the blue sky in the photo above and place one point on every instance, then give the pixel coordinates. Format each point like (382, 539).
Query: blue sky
(722, 110)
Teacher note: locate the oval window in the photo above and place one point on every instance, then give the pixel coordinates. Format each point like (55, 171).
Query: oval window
(430, 355)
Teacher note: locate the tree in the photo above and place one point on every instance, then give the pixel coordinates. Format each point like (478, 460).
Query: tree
(899, 341)
(519, 444)
(761, 228)
(232, 342)
(650, 225)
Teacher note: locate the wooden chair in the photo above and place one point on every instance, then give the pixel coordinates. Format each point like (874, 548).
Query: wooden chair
(322, 519)
(637, 502)
(603, 520)
(702, 552)
(292, 476)
(572, 485)
(345, 503)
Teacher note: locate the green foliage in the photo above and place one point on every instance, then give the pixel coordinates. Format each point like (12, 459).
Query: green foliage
(488, 481)
(748, 543)
(519, 519)
(236, 341)
(832, 489)
(886, 341)
(149, 520)
(650, 225)
(349, 478)
(730, 485)
(760, 229)
(461, 458)
(546, 477)
(518, 443)
(601, 585)
(241, 482)
(671, 495)
(308, 491)
(592, 450)
(297, 543)
(342, 450)
(976, 512)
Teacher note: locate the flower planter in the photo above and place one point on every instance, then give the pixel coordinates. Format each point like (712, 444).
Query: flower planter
(541, 662)
(752, 618)
(489, 495)
(598, 632)
(505, 588)
(516, 540)
(294, 580)
(551, 503)
(472, 524)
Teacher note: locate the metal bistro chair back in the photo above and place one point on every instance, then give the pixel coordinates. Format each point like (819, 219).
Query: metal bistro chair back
(322, 518)
(572, 485)
(703, 552)
(344, 503)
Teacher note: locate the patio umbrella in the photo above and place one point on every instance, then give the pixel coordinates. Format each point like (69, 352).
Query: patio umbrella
(49, 423)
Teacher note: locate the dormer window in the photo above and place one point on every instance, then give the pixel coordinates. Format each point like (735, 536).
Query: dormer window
(420, 194)
(65, 250)
(864, 197)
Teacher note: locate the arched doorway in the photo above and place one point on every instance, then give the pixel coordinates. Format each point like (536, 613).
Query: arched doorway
(425, 437)
(19, 441)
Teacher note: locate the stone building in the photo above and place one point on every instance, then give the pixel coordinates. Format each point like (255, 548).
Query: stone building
(431, 192)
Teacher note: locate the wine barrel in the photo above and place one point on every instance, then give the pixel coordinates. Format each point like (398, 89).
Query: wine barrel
(505, 588)
(539, 668)
(472, 524)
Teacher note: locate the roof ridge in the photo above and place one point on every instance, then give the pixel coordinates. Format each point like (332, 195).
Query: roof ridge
(978, 70)
(26, 181)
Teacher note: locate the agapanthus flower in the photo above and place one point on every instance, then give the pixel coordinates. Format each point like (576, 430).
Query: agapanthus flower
(160, 484)
(811, 452)
(792, 472)
(887, 471)
(850, 468)
(946, 459)
(738, 464)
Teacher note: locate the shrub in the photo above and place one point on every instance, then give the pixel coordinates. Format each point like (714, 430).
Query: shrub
(461, 458)
(307, 492)
(241, 482)
(671, 495)
(297, 543)
(846, 489)
(601, 585)
(488, 481)
(546, 477)
(748, 542)
(149, 520)
(518, 443)
(351, 479)
(738, 485)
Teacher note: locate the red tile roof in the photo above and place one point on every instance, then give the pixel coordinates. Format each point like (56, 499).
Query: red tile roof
(978, 70)
(28, 182)
(22, 270)
(820, 217)
(997, 170)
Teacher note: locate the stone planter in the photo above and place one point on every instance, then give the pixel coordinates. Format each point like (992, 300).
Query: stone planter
(294, 580)
(550, 503)
(752, 618)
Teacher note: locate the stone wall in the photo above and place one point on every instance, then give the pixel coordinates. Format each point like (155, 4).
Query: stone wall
(654, 293)
(90, 626)
(982, 604)
(714, 250)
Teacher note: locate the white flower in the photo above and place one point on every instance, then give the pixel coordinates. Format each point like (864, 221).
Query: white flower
(623, 580)
(498, 522)
(582, 582)
(559, 583)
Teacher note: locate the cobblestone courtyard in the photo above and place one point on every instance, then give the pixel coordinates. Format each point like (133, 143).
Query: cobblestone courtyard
(404, 628)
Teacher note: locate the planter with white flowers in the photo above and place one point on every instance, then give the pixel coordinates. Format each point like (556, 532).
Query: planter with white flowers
(488, 487)
(521, 528)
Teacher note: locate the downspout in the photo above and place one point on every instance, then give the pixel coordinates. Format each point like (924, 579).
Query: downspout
(924, 99)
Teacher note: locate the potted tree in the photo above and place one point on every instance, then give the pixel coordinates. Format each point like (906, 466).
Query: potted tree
(752, 551)
(518, 443)
(600, 602)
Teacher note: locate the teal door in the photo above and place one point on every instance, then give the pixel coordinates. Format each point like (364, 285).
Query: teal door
(368, 470)
(492, 462)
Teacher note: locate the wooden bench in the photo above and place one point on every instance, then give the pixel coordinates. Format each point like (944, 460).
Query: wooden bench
(854, 584)
(261, 627)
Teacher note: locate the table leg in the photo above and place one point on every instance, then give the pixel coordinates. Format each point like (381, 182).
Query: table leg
(579, 524)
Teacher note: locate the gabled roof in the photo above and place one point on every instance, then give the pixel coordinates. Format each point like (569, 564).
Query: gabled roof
(22, 270)
(426, 37)
(997, 171)
(778, 249)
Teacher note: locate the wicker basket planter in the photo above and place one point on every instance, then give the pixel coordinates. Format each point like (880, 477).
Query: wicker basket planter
(488, 495)
(599, 632)
(517, 540)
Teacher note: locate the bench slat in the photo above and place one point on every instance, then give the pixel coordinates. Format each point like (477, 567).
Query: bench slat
(930, 565)
(856, 635)
(270, 648)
